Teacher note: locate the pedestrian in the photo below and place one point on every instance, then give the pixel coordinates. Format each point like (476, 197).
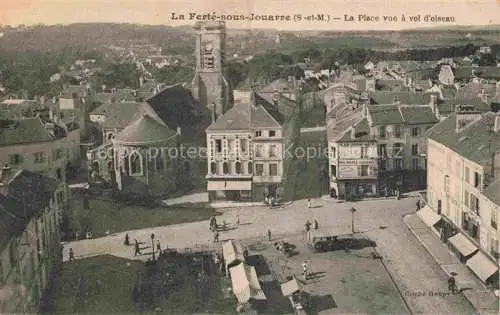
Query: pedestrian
(158, 247)
(269, 234)
(216, 237)
(309, 203)
(71, 255)
(386, 192)
(316, 225)
(127, 240)
(308, 229)
(418, 204)
(238, 220)
(137, 249)
(217, 261)
(305, 271)
(451, 284)
(245, 253)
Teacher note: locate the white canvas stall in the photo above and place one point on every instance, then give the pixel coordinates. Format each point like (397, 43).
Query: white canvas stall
(462, 244)
(482, 266)
(290, 287)
(215, 185)
(238, 185)
(232, 251)
(246, 284)
(428, 216)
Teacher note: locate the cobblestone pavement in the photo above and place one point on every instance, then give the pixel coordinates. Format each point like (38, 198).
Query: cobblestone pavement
(411, 266)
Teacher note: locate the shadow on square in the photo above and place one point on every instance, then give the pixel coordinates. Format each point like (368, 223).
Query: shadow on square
(259, 263)
(320, 303)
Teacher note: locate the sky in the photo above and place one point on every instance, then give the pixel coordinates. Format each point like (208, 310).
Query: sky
(159, 12)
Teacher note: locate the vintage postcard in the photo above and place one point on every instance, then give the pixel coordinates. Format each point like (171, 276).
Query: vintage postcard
(249, 157)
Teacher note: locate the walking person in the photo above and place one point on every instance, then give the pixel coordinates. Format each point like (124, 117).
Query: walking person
(158, 247)
(269, 234)
(418, 204)
(451, 284)
(137, 249)
(316, 225)
(216, 237)
(308, 230)
(309, 203)
(305, 270)
(238, 220)
(71, 255)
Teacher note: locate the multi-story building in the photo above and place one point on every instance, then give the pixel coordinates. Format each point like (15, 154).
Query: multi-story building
(50, 148)
(463, 190)
(245, 152)
(75, 102)
(30, 249)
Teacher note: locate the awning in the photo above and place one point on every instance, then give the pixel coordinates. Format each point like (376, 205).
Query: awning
(246, 285)
(462, 244)
(290, 287)
(232, 251)
(482, 266)
(428, 216)
(229, 185)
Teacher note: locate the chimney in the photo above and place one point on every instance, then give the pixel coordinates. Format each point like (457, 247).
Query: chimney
(497, 123)
(433, 102)
(4, 177)
(212, 109)
(50, 128)
(353, 133)
(179, 132)
(365, 110)
(465, 114)
(276, 97)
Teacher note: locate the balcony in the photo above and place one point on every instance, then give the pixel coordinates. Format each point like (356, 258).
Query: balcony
(267, 178)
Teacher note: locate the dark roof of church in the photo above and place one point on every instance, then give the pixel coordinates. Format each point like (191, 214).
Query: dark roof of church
(145, 130)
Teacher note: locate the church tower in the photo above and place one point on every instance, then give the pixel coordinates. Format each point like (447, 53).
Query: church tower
(209, 85)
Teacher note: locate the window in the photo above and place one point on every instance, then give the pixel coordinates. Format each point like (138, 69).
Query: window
(59, 174)
(213, 168)
(135, 163)
(230, 146)
(218, 145)
(333, 170)
(237, 167)
(414, 149)
(259, 169)
(272, 133)
(397, 131)
(364, 152)
(382, 150)
(383, 165)
(15, 159)
(225, 168)
(474, 204)
(477, 180)
(159, 163)
(12, 254)
(466, 198)
(415, 131)
(258, 150)
(382, 132)
(414, 164)
(258, 133)
(397, 150)
(243, 145)
(466, 174)
(457, 168)
(333, 150)
(494, 218)
(39, 157)
(398, 164)
(273, 169)
(250, 168)
(272, 150)
(363, 171)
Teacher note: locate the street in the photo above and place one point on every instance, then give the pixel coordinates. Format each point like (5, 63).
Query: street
(410, 265)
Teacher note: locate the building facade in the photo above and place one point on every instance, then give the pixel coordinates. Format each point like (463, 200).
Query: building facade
(245, 152)
(463, 190)
(30, 250)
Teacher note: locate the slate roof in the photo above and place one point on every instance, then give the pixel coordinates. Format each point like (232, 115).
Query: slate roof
(120, 115)
(361, 133)
(472, 142)
(385, 115)
(69, 91)
(415, 115)
(448, 106)
(407, 98)
(492, 192)
(238, 117)
(335, 128)
(472, 89)
(279, 84)
(23, 131)
(145, 130)
(29, 193)
(465, 73)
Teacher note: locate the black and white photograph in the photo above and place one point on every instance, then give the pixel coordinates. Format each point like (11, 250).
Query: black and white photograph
(271, 157)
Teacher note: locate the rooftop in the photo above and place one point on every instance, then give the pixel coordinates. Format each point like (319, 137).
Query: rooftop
(145, 130)
(23, 131)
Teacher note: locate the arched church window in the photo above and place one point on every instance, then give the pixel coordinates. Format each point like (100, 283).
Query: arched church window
(250, 168)
(160, 165)
(213, 168)
(111, 136)
(135, 164)
(237, 167)
(225, 168)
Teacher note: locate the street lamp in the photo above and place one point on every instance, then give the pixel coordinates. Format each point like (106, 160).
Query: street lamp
(352, 220)
(153, 244)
